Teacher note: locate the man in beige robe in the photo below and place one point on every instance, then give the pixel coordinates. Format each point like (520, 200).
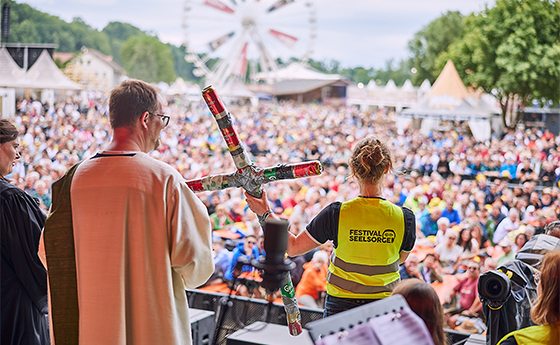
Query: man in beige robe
(141, 236)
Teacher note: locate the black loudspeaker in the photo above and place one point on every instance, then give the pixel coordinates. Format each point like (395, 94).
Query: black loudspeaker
(203, 324)
(5, 24)
(261, 333)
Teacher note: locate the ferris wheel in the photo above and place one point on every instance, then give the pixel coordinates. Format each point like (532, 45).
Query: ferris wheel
(228, 39)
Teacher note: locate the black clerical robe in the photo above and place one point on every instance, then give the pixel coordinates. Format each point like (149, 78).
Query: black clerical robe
(23, 294)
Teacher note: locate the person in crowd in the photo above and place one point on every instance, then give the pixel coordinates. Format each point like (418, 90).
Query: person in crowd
(429, 222)
(274, 199)
(24, 279)
(469, 245)
(245, 252)
(509, 224)
(520, 241)
(489, 265)
(508, 254)
(220, 218)
(443, 225)
(450, 213)
(359, 253)
(496, 213)
(409, 269)
(222, 260)
(138, 234)
(467, 289)
(313, 283)
(41, 193)
(449, 252)
(478, 235)
(424, 301)
(30, 179)
(430, 269)
(545, 313)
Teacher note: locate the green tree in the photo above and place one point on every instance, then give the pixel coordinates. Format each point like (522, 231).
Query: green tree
(118, 33)
(430, 42)
(148, 59)
(512, 51)
(183, 68)
(398, 73)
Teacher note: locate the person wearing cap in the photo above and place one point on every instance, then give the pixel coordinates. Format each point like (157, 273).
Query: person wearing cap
(509, 254)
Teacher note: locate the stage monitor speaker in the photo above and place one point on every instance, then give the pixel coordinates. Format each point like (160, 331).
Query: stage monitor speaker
(261, 333)
(203, 324)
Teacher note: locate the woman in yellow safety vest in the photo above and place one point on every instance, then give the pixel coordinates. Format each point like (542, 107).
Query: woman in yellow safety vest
(546, 311)
(371, 235)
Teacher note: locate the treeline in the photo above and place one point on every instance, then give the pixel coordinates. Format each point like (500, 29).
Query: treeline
(129, 46)
(510, 50)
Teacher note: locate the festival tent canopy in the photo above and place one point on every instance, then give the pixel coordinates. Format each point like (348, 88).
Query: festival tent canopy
(296, 70)
(44, 74)
(449, 99)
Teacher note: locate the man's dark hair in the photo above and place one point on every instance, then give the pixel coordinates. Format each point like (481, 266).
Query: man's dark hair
(130, 100)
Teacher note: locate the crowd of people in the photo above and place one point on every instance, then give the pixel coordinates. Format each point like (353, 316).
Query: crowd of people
(474, 204)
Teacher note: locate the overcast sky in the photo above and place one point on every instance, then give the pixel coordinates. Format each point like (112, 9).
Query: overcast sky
(354, 32)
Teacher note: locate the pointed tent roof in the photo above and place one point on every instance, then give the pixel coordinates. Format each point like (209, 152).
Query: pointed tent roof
(449, 99)
(407, 86)
(391, 85)
(426, 86)
(44, 74)
(10, 72)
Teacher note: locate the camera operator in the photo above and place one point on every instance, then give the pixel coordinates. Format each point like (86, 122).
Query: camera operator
(546, 311)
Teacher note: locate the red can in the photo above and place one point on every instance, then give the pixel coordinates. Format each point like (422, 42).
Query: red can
(214, 102)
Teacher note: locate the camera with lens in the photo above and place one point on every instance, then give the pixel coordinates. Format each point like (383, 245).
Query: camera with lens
(506, 296)
(494, 287)
(507, 293)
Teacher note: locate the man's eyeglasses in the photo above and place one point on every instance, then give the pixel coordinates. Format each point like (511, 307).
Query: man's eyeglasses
(165, 118)
(472, 268)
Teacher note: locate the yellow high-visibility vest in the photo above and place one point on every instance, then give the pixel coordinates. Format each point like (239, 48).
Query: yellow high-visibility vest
(365, 263)
(546, 334)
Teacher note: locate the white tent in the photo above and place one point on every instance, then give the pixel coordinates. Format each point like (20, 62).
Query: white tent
(449, 99)
(44, 75)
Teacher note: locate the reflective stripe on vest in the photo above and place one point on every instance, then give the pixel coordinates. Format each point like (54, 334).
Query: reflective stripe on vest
(365, 269)
(358, 288)
(365, 263)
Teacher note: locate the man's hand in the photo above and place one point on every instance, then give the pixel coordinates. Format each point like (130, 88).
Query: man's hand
(258, 205)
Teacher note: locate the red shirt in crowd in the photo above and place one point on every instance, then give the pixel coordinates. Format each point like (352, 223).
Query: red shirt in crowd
(468, 290)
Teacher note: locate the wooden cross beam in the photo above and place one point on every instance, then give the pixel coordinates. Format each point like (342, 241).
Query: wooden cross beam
(248, 175)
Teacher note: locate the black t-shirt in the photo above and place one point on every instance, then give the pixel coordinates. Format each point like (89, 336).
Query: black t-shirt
(324, 226)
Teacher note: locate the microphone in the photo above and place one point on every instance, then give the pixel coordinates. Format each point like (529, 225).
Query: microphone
(274, 264)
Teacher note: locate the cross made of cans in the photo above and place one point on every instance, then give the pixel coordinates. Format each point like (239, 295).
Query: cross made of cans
(248, 175)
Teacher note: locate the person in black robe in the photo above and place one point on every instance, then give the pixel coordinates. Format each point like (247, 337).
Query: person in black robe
(23, 293)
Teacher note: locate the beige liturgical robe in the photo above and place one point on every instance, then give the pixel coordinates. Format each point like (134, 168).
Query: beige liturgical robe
(141, 237)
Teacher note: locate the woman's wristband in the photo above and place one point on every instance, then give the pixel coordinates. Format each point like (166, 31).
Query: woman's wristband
(263, 218)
